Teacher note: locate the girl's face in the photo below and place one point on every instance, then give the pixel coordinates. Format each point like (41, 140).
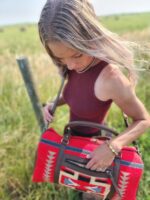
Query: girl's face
(74, 59)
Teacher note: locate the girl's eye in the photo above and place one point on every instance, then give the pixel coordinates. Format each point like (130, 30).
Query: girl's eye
(78, 56)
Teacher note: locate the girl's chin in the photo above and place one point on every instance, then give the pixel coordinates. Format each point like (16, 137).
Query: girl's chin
(80, 69)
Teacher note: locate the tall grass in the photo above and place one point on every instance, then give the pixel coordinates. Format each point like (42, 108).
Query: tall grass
(19, 131)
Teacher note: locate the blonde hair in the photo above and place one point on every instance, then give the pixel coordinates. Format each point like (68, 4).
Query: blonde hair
(74, 22)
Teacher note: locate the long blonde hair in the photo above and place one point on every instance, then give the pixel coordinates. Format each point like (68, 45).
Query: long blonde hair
(75, 23)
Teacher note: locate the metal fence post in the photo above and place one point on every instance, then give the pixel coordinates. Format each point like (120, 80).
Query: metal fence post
(30, 86)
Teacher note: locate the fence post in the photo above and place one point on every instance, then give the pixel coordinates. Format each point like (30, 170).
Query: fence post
(30, 86)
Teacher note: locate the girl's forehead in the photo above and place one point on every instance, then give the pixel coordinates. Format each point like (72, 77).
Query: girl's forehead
(61, 50)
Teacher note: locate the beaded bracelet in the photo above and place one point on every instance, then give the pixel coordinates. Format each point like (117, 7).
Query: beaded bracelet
(111, 148)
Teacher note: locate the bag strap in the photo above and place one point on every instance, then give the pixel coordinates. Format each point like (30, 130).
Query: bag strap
(59, 91)
(60, 158)
(57, 97)
(114, 178)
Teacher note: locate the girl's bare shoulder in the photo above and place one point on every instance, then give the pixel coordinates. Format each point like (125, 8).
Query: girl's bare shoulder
(110, 82)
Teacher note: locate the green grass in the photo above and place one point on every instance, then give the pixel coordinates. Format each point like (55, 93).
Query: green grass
(19, 131)
(131, 22)
(19, 42)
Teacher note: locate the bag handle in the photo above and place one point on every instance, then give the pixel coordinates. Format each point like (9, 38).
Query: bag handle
(88, 124)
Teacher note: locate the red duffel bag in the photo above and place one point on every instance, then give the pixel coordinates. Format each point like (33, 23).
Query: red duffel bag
(62, 160)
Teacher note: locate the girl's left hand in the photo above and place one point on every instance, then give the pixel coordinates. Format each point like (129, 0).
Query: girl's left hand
(101, 158)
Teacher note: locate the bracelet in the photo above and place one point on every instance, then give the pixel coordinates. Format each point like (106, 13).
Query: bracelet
(111, 148)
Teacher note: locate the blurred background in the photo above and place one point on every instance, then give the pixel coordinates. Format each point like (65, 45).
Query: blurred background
(19, 130)
(15, 11)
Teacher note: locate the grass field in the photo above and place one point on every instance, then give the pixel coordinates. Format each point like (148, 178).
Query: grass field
(19, 131)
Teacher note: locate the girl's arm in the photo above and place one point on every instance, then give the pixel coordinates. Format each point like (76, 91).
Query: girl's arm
(114, 85)
(124, 96)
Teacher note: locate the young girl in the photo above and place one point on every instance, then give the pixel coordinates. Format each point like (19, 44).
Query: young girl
(94, 57)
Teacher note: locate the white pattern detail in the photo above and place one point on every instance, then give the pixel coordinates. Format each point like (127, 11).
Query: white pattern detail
(48, 165)
(123, 184)
(70, 182)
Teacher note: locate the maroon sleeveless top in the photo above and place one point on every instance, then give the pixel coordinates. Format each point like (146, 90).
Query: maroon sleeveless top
(80, 97)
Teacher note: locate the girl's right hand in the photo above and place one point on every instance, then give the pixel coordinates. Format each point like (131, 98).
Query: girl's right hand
(48, 118)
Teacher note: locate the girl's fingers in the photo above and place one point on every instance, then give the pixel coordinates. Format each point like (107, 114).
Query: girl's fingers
(47, 116)
(101, 169)
(90, 164)
(94, 167)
